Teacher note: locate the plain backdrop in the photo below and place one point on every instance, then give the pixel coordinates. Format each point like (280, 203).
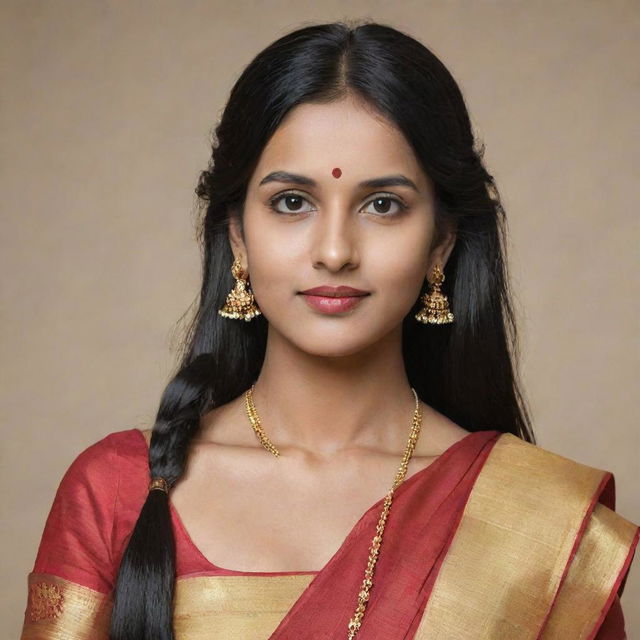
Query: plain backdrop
(106, 113)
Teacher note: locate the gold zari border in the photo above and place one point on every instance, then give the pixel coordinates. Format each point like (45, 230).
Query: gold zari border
(501, 574)
(498, 579)
(592, 575)
(58, 608)
(234, 607)
(205, 607)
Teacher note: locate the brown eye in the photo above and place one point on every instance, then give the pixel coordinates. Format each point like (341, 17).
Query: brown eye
(291, 201)
(383, 204)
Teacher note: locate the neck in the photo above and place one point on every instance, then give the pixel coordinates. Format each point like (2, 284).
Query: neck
(325, 404)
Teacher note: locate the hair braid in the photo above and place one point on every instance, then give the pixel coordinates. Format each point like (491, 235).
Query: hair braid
(145, 583)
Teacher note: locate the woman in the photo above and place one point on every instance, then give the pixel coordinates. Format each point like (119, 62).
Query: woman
(358, 448)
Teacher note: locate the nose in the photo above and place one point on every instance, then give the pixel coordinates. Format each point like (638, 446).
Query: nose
(334, 241)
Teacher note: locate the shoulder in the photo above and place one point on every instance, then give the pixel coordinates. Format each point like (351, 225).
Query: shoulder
(512, 446)
(538, 471)
(93, 500)
(540, 485)
(544, 513)
(527, 488)
(441, 433)
(103, 453)
(117, 460)
(511, 449)
(105, 484)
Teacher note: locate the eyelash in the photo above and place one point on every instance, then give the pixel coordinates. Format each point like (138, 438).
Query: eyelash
(381, 196)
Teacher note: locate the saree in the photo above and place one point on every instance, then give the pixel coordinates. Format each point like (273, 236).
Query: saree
(496, 539)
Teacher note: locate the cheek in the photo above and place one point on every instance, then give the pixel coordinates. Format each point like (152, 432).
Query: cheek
(399, 273)
(398, 285)
(270, 279)
(401, 262)
(272, 269)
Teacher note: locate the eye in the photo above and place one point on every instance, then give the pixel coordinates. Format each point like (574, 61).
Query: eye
(292, 201)
(382, 202)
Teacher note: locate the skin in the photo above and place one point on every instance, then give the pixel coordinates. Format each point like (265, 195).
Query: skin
(333, 395)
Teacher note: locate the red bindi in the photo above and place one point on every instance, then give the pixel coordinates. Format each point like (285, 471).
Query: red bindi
(336, 173)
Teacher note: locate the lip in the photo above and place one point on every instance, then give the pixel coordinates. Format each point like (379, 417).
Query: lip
(333, 304)
(334, 292)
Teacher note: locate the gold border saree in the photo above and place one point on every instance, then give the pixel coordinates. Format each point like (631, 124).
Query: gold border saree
(497, 539)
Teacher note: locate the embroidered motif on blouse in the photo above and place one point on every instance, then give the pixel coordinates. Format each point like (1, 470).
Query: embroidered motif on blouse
(45, 601)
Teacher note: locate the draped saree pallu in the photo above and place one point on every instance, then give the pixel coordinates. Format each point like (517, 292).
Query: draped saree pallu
(496, 539)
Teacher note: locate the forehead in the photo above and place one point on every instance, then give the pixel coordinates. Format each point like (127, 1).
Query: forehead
(316, 138)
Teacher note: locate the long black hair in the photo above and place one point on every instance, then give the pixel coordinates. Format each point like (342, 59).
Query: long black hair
(466, 369)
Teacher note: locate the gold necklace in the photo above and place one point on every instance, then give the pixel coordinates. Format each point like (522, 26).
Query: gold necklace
(356, 621)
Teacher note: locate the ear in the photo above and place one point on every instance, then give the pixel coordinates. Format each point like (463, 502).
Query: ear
(441, 252)
(236, 240)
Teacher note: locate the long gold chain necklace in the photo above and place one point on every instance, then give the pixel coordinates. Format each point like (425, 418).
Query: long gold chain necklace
(363, 596)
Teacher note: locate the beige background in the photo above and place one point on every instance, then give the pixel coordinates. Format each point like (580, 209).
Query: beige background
(106, 112)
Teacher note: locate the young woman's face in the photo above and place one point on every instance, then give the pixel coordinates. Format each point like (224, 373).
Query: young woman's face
(325, 228)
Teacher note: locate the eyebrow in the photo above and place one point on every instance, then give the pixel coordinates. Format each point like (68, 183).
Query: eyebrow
(397, 180)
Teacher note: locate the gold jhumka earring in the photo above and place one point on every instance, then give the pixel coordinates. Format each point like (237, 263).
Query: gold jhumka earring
(240, 304)
(436, 304)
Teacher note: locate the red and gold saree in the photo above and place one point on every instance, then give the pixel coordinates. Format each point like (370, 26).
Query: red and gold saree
(496, 539)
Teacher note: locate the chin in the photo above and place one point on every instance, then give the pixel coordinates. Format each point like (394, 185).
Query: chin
(331, 344)
(332, 353)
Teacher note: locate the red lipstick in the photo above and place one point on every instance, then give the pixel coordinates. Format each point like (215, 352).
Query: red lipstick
(334, 292)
